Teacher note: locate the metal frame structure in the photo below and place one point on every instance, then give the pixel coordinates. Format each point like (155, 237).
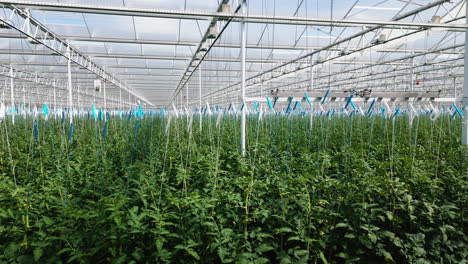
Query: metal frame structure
(226, 64)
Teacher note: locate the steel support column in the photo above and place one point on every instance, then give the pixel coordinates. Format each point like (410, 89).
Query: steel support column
(12, 95)
(465, 88)
(199, 93)
(243, 81)
(70, 99)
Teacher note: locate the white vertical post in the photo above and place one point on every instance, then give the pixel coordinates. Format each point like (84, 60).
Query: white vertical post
(12, 95)
(55, 97)
(24, 101)
(465, 89)
(199, 93)
(105, 100)
(70, 99)
(186, 96)
(78, 104)
(412, 74)
(311, 74)
(243, 84)
(120, 99)
(454, 87)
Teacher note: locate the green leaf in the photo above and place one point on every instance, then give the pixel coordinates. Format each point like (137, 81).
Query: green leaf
(264, 248)
(37, 253)
(64, 250)
(341, 225)
(385, 254)
(262, 260)
(193, 253)
(389, 215)
(47, 220)
(372, 237)
(322, 257)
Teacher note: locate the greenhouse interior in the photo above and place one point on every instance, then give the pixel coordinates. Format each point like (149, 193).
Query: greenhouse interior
(242, 131)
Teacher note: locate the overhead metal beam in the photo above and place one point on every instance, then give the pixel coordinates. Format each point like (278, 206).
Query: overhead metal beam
(249, 18)
(465, 89)
(217, 44)
(143, 57)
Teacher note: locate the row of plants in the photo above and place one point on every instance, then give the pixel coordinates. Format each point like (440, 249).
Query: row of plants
(165, 190)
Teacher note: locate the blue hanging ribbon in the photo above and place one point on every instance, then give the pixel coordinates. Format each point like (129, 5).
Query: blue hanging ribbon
(269, 103)
(255, 104)
(348, 101)
(70, 134)
(45, 110)
(104, 130)
(35, 131)
(135, 128)
(382, 110)
(369, 110)
(289, 105)
(140, 111)
(397, 112)
(274, 102)
(325, 96)
(93, 110)
(457, 111)
(307, 99)
(299, 105)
